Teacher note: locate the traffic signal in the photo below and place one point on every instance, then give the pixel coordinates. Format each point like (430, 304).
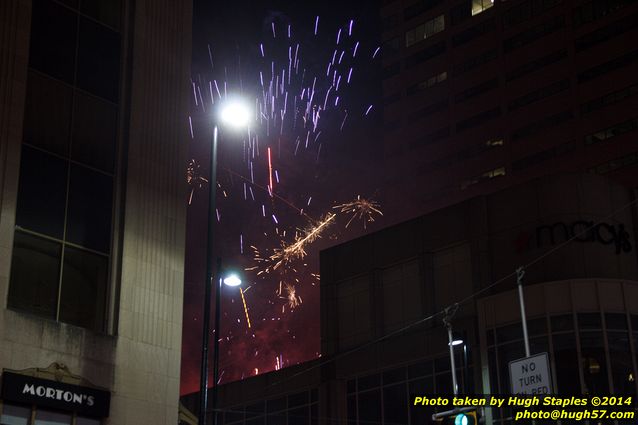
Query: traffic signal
(462, 416)
(466, 418)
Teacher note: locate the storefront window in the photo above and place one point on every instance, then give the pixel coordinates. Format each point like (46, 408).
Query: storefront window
(621, 363)
(45, 417)
(14, 415)
(593, 362)
(566, 363)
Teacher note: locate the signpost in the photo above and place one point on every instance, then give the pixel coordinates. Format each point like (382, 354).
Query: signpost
(530, 375)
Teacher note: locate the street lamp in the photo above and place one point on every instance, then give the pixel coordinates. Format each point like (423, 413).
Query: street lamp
(235, 114)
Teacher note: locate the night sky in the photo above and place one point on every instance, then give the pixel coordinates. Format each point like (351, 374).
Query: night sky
(325, 151)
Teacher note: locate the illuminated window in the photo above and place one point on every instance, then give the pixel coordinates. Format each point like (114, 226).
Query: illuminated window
(427, 83)
(479, 6)
(488, 175)
(611, 132)
(425, 30)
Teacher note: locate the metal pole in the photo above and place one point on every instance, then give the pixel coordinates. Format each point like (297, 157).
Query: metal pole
(447, 321)
(212, 185)
(218, 301)
(465, 371)
(520, 272)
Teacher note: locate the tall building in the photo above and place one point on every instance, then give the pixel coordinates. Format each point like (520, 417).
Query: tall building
(384, 297)
(93, 122)
(485, 94)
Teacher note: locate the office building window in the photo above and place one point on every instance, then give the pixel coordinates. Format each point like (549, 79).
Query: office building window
(425, 54)
(425, 30)
(530, 35)
(476, 90)
(542, 125)
(609, 66)
(539, 94)
(607, 32)
(430, 109)
(612, 131)
(488, 175)
(62, 241)
(609, 99)
(419, 7)
(427, 83)
(525, 10)
(475, 61)
(545, 155)
(536, 64)
(630, 160)
(596, 9)
(478, 119)
(474, 32)
(463, 155)
(436, 136)
(479, 6)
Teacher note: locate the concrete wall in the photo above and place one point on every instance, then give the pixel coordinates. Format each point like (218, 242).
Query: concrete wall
(140, 361)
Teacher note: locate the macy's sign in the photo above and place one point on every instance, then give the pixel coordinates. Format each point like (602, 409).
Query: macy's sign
(581, 231)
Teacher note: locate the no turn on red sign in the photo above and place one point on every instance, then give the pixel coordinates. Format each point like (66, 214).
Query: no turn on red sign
(531, 375)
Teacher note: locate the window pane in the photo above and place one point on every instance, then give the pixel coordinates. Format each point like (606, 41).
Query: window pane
(395, 404)
(299, 416)
(90, 207)
(594, 363)
(106, 11)
(566, 361)
(98, 60)
(83, 298)
(53, 35)
(47, 114)
(94, 132)
(370, 407)
(352, 409)
(15, 415)
(621, 362)
(43, 417)
(35, 268)
(41, 192)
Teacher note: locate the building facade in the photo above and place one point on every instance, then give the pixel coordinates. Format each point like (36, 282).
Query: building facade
(93, 107)
(383, 298)
(480, 95)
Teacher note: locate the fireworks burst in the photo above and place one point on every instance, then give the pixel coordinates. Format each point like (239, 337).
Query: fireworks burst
(297, 250)
(294, 300)
(193, 178)
(298, 106)
(363, 209)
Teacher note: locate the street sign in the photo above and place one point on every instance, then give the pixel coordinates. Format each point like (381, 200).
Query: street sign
(530, 375)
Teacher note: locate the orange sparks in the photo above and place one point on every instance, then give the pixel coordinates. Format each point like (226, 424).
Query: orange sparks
(243, 299)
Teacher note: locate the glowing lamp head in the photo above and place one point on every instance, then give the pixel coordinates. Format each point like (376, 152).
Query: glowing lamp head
(232, 280)
(461, 419)
(235, 114)
(456, 342)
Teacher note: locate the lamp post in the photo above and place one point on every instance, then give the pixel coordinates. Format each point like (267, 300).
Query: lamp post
(236, 115)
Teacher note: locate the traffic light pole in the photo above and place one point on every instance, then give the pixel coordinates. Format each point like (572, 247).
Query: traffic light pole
(520, 272)
(447, 321)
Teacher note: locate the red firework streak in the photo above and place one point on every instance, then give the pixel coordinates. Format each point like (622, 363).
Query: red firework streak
(272, 189)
